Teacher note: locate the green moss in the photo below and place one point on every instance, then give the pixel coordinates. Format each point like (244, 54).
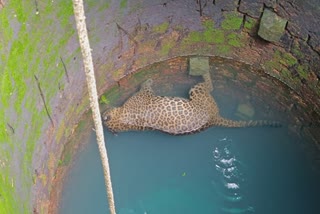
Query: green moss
(65, 12)
(112, 94)
(36, 127)
(48, 8)
(19, 8)
(232, 21)
(7, 200)
(83, 106)
(194, 36)
(279, 66)
(270, 65)
(6, 32)
(303, 71)
(234, 40)
(104, 100)
(210, 36)
(66, 159)
(25, 51)
(106, 6)
(17, 62)
(118, 73)
(296, 51)
(162, 28)
(141, 76)
(250, 23)
(208, 24)
(166, 47)
(43, 179)
(234, 43)
(123, 4)
(223, 49)
(286, 75)
(289, 59)
(285, 59)
(18, 80)
(207, 36)
(61, 131)
(3, 129)
(218, 36)
(82, 125)
(6, 88)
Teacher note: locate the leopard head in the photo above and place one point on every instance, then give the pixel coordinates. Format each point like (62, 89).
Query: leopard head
(113, 120)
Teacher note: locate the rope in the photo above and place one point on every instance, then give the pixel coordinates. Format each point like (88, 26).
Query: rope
(92, 89)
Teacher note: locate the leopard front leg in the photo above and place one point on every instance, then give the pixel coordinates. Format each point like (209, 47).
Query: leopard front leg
(208, 81)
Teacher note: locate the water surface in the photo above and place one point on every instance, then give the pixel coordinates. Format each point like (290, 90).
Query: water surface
(221, 170)
(252, 170)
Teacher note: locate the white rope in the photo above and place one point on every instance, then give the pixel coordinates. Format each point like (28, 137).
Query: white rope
(92, 89)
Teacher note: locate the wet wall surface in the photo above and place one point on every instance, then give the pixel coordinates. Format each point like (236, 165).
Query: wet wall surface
(146, 32)
(126, 36)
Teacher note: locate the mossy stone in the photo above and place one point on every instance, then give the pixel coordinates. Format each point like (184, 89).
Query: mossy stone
(245, 111)
(198, 66)
(272, 27)
(232, 21)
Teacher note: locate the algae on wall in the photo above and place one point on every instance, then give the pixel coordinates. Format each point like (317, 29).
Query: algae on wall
(37, 38)
(33, 41)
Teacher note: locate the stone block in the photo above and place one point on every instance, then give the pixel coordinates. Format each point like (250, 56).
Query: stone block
(245, 111)
(251, 7)
(227, 5)
(198, 66)
(272, 27)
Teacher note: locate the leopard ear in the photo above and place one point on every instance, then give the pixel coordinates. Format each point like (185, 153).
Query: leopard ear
(105, 116)
(107, 109)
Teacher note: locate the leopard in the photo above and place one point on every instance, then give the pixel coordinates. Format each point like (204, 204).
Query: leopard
(173, 115)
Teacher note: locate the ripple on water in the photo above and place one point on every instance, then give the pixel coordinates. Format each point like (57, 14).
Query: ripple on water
(250, 170)
(228, 179)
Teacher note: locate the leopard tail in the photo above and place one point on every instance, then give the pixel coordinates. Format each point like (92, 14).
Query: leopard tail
(242, 123)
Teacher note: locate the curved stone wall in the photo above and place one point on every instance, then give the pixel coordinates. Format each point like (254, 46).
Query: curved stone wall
(43, 91)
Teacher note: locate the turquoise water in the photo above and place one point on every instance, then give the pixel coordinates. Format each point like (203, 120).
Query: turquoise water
(220, 170)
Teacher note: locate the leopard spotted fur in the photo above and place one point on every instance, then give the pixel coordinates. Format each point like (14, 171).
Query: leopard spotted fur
(173, 115)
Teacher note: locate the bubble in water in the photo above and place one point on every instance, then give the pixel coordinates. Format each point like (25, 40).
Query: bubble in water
(232, 186)
(230, 178)
(216, 153)
(228, 162)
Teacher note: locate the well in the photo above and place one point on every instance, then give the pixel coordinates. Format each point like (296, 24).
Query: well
(43, 90)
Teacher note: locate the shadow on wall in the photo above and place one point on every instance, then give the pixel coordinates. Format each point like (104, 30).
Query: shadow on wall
(38, 39)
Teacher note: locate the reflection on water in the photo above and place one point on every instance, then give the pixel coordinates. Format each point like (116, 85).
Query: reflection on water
(221, 170)
(254, 170)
